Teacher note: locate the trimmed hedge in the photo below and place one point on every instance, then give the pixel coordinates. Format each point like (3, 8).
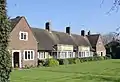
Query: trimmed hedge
(71, 60)
(77, 61)
(54, 62)
(63, 61)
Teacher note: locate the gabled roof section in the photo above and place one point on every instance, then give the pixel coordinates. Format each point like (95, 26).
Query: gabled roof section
(80, 40)
(14, 21)
(93, 39)
(46, 40)
(64, 38)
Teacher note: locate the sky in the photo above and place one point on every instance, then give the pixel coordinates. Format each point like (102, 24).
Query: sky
(78, 14)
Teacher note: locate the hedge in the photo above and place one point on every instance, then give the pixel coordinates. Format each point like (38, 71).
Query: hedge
(56, 62)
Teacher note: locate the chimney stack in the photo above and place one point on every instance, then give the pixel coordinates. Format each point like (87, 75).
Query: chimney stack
(47, 26)
(68, 30)
(88, 32)
(82, 33)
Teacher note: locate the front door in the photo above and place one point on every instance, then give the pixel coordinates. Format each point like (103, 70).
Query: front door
(16, 59)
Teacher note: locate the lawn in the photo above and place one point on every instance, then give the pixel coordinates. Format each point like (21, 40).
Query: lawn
(97, 71)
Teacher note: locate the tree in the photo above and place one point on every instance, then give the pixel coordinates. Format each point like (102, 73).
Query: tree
(5, 60)
(116, 4)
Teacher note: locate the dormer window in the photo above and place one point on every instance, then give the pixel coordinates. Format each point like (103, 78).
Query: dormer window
(23, 36)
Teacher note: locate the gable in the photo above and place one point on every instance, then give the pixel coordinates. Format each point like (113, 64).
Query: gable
(22, 26)
(93, 39)
(100, 46)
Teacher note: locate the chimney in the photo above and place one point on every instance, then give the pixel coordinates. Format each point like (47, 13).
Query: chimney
(88, 32)
(82, 33)
(68, 30)
(18, 17)
(47, 26)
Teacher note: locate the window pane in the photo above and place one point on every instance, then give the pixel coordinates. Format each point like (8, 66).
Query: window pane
(41, 55)
(25, 54)
(25, 36)
(21, 36)
(44, 54)
(28, 54)
(31, 54)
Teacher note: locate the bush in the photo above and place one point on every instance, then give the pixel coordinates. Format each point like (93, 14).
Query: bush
(53, 62)
(26, 67)
(41, 63)
(77, 61)
(108, 56)
(71, 61)
(101, 58)
(81, 60)
(60, 61)
(65, 62)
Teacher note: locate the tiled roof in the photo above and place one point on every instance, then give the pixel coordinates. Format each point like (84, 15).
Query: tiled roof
(14, 21)
(45, 39)
(93, 39)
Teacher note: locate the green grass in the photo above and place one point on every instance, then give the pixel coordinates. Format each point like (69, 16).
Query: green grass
(97, 71)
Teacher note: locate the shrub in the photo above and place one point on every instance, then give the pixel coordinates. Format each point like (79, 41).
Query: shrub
(81, 60)
(65, 62)
(77, 61)
(53, 62)
(71, 61)
(26, 67)
(101, 58)
(60, 61)
(108, 56)
(41, 62)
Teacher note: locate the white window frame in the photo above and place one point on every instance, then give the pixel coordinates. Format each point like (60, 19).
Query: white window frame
(30, 54)
(62, 54)
(43, 55)
(70, 54)
(24, 33)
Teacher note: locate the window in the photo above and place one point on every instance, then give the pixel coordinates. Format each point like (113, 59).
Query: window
(62, 54)
(79, 54)
(29, 54)
(101, 53)
(87, 54)
(70, 54)
(82, 54)
(41, 55)
(23, 36)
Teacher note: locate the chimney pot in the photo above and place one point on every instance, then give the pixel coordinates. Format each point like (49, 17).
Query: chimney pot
(68, 30)
(82, 33)
(88, 32)
(47, 26)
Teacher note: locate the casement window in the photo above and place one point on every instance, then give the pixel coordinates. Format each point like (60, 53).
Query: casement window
(23, 36)
(82, 54)
(54, 54)
(70, 54)
(28, 54)
(62, 55)
(41, 55)
(79, 55)
(87, 54)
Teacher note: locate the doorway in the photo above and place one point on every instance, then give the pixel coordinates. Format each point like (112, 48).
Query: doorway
(16, 59)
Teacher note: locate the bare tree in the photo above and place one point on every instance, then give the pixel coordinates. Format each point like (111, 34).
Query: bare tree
(115, 6)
